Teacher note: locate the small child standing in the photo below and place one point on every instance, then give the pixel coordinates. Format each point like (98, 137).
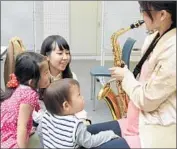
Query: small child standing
(60, 127)
(21, 98)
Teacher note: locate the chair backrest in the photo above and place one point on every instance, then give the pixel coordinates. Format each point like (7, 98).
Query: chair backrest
(126, 51)
(15, 47)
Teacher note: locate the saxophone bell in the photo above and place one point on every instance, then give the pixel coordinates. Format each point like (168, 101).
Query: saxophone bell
(106, 89)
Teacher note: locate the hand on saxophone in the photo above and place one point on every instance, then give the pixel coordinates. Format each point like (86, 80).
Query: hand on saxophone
(118, 72)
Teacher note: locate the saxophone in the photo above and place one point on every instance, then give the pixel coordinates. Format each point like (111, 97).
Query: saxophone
(118, 104)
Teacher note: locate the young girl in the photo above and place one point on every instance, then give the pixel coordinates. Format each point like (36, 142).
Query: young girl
(60, 127)
(21, 98)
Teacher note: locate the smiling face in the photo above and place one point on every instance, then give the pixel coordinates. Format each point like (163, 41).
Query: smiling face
(58, 59)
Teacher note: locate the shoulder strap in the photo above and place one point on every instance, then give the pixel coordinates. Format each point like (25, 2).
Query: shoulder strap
(145, 56)
(138, 67)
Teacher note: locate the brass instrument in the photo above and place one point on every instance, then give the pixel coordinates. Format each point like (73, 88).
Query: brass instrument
(118, 104)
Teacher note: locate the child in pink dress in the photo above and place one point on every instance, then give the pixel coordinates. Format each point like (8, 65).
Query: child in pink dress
(21, 98)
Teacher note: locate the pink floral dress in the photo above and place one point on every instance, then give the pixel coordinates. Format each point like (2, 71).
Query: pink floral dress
(10, 111)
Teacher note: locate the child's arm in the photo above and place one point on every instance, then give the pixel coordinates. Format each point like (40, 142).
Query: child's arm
(37, 115)
(25, 112)
(87, 140)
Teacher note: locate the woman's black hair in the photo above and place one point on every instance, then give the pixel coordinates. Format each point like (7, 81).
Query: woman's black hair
(26, 68)
(169, 6)
(47, 47)
(57, 93)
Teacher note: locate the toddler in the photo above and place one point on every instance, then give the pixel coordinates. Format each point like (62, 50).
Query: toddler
(60, 127)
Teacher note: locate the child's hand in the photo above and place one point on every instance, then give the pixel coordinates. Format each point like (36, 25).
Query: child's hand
(87, 122)
(112, 134)
(32, 131)
(116, 136)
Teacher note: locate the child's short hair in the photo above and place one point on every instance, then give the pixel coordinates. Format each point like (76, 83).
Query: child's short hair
(57, 93)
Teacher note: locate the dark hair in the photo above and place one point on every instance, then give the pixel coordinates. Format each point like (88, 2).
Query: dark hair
(26, 68)
(47, 47)
(169, 6)
(58, 92)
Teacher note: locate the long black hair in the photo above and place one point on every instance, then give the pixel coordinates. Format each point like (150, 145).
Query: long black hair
(47, 47)
(26, 68)
(169, 6)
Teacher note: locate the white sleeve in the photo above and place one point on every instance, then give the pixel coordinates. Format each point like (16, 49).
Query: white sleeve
(161, 84)
(74, 76)
(37, 116)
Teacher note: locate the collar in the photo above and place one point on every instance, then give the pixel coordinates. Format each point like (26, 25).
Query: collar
(55, 78)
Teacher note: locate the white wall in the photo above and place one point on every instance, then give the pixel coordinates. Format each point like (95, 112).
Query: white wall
(17, 20)
(33, 21)
(56, 18)
(38, 24)
(121, 14)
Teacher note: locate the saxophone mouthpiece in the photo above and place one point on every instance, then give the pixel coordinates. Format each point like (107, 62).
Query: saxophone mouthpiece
(137, 24)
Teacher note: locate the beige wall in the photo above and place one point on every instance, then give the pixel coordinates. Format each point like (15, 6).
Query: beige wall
(84, 27)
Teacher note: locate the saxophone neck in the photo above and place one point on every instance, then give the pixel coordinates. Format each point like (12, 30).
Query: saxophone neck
(132, 26)
(121, 31)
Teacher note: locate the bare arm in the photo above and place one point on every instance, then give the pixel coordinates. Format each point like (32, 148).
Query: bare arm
(25, 112)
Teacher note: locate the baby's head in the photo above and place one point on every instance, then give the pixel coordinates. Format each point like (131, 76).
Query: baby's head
(63, 97)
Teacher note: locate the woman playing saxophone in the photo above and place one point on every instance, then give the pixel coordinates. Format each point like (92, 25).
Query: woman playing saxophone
(151, 115)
